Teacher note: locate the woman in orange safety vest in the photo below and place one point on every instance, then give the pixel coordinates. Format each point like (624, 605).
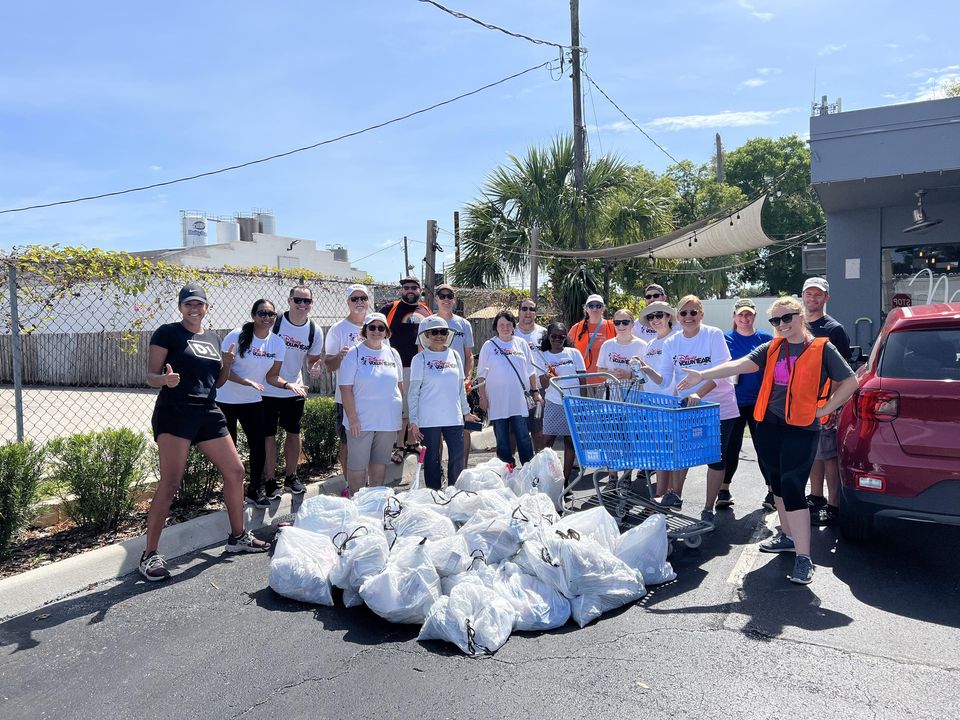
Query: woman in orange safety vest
(805, 379)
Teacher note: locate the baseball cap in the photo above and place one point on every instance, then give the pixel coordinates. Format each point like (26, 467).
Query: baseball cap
(192, 291)
(357, 287)
(744, 304)
(409, 279)
(445, 286)
(817, 282)
(595, 298)
(654, 286)
(433, 322)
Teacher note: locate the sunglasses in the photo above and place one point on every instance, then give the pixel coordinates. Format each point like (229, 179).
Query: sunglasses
(656, 315)
(266, 313)
(623, 322)
(445, 296)
(785, 318)
(558, 337)
(653, 296)
(302, 301)
(691, 313)
(359, 298)
(528, 309)
(594, 306)
(442, 332)
(409, 287)
(376, 328)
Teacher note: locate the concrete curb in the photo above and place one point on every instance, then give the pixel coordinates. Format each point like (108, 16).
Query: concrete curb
(33, 589)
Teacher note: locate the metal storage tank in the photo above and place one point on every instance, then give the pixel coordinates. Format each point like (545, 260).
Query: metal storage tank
(248, 226)
(340, 254)
(268, 223)
(228, 231)
(194, 229)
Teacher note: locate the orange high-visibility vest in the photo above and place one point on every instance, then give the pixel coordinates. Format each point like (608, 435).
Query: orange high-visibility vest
(804, 394)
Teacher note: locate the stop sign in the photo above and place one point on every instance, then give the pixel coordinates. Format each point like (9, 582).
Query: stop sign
(902, 300)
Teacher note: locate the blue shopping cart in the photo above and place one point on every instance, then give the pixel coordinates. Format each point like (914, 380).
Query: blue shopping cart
(616, 426)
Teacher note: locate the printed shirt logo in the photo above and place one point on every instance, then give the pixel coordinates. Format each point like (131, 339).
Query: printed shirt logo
(440, 365)
(619, 359)
(781, 372)
(262, 353)
(292, 342)
(655, 352)
(506, 351)
(688, 360)
(204, 350)
(559, 363)
(375, 361)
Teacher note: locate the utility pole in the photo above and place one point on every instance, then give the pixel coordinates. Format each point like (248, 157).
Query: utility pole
(430, 261)
(579, 131)
(456, 236)
(407, 267)
(720, 172)
(534, 261)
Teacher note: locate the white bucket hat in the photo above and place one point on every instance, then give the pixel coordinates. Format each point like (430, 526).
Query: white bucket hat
(433, 322)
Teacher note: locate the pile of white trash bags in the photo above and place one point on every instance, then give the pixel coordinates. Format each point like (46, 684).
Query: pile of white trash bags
(473, 563)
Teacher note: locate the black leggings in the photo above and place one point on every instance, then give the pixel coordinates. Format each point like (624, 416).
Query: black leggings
(250, 416)
(731, 455)
(786, 454)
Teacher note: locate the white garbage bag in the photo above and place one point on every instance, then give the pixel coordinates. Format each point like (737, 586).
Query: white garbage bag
(479, 478)
(420, 521)
(530, 513)
(584, 609)
(490, 534)
(645, 548)
(598, 581)
(540, 556)
(372, 500)
(596, 524)
(427, 497)
(326, 515)
(406, 589)
(301, 565)
(537, 606)
(475, 618)
(360, 556)
(449, 555)
(544, 473)
(465, 504)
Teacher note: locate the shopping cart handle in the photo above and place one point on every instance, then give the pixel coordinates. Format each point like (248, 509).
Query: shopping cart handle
(555, 381)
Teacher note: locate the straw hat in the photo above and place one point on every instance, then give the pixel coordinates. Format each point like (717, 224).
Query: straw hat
(656, 307)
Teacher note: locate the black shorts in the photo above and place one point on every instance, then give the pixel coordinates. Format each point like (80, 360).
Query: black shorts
(196, 423)
(342, 431)
(726, 428)
(285, 412)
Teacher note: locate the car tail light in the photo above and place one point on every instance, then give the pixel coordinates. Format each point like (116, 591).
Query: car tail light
(872, 483)
(877, 405)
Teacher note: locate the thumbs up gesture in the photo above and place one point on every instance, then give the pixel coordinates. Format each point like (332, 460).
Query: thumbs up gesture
(226, 356)
(170, 378)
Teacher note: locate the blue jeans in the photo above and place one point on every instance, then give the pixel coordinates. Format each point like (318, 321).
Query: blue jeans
(518, 425)
(453, 436)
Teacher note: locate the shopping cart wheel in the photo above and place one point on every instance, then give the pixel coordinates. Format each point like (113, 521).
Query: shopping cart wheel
(693, 542)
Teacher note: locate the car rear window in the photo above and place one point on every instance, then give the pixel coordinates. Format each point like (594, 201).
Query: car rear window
(922, 355)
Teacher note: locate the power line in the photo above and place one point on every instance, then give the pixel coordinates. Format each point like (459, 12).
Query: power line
(489, 26)
(282, 154)
(629, 119)
(376, 252)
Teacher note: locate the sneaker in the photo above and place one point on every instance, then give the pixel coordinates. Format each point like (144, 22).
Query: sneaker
(707, 516)
(245, 543)
(802, 571)
(724, 499)
(272, 490)
(671, 500)
(777, 544)
(153, 567)
(293, 484)
(257, 499)
(768, 503)
(825, 516)
(815, 502)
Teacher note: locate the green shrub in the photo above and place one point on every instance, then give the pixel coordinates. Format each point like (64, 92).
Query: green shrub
(20, 467)
(104, 471)
(321, 440)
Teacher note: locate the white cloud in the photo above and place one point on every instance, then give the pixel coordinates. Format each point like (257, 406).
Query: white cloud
(935, 86)
(156, 168)
(830, 49)
(754, 82)
(892, 46)
(752, 9)
(767, 71)
(727, 118)
(927, 72)
(618, 127)
(923, 37)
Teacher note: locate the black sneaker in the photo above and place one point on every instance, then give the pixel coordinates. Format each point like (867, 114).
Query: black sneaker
(245, 542)
(724, 499)
(779, 543)
(153, 567)
(292, 484)
(825, 516)
(815, 502)
(802, 571)
(257, 499)
(272, 490)
(768, 503)
(706, 516)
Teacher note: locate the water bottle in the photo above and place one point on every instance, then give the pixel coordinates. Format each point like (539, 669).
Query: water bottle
(636, 366)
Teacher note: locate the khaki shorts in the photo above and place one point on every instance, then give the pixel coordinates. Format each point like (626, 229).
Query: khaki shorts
(373, 446)
(827, 446)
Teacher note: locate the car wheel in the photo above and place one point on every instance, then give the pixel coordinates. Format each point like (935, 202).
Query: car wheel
(855, 524)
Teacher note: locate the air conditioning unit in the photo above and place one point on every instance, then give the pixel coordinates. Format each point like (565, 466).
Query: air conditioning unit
(814, 259)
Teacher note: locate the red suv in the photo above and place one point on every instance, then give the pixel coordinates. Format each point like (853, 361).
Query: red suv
(899, 436)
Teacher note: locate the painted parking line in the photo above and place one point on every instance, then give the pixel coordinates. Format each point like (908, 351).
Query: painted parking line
(751, 552)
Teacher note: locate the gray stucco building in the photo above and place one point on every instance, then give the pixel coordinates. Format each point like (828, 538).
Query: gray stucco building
(867, 167)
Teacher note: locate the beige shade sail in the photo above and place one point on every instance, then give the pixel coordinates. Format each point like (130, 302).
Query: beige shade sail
(731, 233)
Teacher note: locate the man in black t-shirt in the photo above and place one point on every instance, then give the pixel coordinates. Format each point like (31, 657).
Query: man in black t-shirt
(824, 511)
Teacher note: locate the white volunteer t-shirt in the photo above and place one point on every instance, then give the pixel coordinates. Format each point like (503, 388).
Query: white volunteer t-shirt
(343, 334)
(295, 338)
(704, 350)
(462, 336)
(436, 395)
(254, 365)
(374, 375)
(504, 390)
(533, 338)
(654, 357)
(568, 361)
(643, 332)
(617, 356)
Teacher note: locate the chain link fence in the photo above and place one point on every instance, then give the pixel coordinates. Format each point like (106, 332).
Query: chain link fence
(77, 337)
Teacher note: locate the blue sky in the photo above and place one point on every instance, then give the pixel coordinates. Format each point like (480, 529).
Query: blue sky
(97, 97)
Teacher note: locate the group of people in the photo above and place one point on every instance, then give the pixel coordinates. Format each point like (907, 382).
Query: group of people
(404, 374)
